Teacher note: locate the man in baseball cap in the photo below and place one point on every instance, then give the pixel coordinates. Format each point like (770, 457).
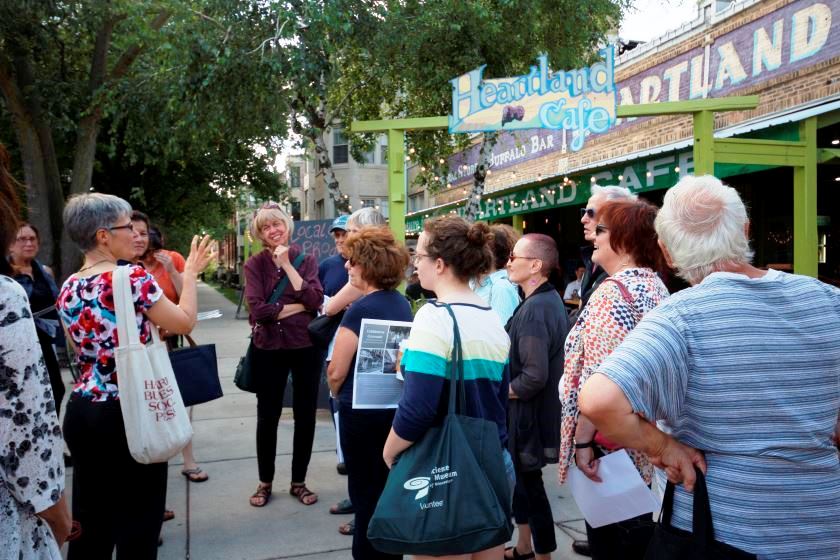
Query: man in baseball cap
(331, 271)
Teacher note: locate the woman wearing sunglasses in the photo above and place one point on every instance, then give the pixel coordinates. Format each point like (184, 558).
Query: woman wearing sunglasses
(625, 246)
(281, 344)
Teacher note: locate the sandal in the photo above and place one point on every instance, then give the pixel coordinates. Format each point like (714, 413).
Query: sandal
(304, 495)
(168, 515)
(348, 528)
(261, 496)
(343, 507)
(516, 555)
(195, 475)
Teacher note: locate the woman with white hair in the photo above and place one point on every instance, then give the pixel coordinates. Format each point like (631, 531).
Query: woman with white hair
(281, 344)
(117, 501)
(744, 370)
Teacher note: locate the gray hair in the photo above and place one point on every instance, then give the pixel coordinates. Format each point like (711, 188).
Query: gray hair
(85, 214)
(613, 192)
(366, 217)
(703, 223)
(270, 212)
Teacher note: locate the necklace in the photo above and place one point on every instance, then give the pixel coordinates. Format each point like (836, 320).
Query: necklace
(96, 263)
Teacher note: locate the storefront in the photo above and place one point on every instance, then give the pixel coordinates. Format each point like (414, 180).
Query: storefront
(787, 53)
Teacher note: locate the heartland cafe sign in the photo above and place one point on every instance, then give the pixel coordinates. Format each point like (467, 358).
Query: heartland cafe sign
(582, 101)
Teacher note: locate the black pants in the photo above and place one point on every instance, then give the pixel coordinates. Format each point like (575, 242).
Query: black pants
(363, 435)
(117, 501)
(531, 506)
(626, 539)
(272, 369)
(53, 369)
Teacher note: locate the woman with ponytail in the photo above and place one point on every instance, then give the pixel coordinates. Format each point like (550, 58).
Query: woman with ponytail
(450, 252)
(537, 331)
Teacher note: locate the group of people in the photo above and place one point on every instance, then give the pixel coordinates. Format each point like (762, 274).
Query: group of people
(737, 377)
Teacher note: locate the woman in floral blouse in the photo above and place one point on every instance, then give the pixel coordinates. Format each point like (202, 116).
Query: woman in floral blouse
(626, 248)
(34, 519)
(117, 501)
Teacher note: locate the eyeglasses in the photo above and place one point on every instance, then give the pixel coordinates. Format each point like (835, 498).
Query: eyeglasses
(129, 225)
(25, 240)
(418, 256)
(587, 212)
(513, 257)
(601, 228)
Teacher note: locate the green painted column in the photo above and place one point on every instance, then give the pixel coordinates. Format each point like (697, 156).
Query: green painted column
(518, 220)
(805, 203)
(396, 183)
(704, 143)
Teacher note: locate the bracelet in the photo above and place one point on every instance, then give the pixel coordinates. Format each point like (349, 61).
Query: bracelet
(584, 445)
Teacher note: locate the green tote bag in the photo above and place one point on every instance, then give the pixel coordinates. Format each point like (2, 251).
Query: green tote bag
(448, 493)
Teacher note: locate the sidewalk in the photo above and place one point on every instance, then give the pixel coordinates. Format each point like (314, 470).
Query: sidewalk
(213, 519)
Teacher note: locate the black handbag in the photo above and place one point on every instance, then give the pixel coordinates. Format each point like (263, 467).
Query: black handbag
(197, 372)
(244, 378)
(448, 493)
(670, 543)
(322, 329)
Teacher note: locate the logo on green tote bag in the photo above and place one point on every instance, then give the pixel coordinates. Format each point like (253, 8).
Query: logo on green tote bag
(421, 484)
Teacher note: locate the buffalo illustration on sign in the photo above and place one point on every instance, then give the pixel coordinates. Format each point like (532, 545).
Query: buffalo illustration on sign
(581, 100)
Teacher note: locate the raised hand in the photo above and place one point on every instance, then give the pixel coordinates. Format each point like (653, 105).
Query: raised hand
(280, 256)
(201, 253)
(166, 260)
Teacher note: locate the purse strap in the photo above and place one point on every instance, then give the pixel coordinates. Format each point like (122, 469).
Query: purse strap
(283, 282)
(456, 376)
(626, 295)
(703, 534)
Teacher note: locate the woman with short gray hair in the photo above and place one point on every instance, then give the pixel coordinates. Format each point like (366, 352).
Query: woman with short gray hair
(130, 521)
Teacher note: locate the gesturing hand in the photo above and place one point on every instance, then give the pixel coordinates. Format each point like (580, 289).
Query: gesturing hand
(166, 260)
(200, 255)
(280, 256)
(678, 462)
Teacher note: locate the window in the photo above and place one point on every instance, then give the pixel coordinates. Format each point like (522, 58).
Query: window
(369, 157)
(340, 148)
(415, 202)
(319, 209)
(294, 177)
(369, 203)
(383, 153)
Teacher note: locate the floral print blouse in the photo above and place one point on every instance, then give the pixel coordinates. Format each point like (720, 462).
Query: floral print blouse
(31, 463)
(86, 306)
(604, 323)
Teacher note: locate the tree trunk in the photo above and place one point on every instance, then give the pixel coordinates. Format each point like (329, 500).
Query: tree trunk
(325, 164)
(485, 159)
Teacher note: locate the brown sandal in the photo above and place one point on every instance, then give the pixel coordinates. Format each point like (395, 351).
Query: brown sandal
(304, 495)
(261, 496)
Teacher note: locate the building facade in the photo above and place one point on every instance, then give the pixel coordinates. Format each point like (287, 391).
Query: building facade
(785, 51)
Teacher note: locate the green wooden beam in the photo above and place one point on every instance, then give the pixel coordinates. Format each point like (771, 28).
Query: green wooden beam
(759, 152)
(826, 155)
(419, 123)
(682, 107)
(805, 204)
(518, 225)
(704, 143)
(396, 183)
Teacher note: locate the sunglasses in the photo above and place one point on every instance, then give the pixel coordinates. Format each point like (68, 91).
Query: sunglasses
(600, 229)
(271, 206)
(587, 212)
(513, 257)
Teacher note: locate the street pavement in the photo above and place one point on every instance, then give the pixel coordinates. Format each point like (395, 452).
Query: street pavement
(213, 519)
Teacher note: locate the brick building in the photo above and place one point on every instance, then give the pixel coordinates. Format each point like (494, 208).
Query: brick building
(785, 51)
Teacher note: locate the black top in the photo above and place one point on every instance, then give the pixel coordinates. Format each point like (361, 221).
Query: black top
(592, 277)
(537, 332)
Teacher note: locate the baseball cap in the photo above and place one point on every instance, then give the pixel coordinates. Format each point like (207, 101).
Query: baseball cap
(339, 223)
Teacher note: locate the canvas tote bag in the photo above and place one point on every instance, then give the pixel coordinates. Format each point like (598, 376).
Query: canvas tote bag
(156, 423)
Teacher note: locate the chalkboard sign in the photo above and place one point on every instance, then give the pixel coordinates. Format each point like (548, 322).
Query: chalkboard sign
(314, 238)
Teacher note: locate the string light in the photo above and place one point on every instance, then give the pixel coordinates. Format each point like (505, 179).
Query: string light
(649, 174)
(411, 150)
(621, 177)
(407, 158)
(422, 168)
(442, 161)
(592, 179)
(677, 169)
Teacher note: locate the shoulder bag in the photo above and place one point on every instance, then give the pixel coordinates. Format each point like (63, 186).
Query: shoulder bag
(322, 329)
(448, 493)
(197, 372)
(156, 423)
(669, 543)
(244, 378)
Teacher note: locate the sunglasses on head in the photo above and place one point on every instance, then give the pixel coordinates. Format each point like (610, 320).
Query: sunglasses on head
(587, 212)
(270, 206)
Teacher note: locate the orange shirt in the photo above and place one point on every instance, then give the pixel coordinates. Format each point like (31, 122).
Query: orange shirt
(163, 278)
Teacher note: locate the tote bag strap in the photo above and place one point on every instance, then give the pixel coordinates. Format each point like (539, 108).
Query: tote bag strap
(124, 309)
(702, 529)
(456, 377)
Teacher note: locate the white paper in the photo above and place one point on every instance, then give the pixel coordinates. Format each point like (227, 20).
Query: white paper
(622, 494)
(375, 383)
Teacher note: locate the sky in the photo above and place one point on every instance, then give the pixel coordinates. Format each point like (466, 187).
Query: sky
(649, 19)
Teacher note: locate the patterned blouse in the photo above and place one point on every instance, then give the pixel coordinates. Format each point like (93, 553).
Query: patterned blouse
(603, 324)
(31, 466)
(86, 306)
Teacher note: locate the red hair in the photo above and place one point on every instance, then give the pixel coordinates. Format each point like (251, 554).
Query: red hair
(630, 223)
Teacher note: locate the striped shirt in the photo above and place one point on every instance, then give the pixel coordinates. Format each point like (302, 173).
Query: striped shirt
(748, 371)
(426, 364)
